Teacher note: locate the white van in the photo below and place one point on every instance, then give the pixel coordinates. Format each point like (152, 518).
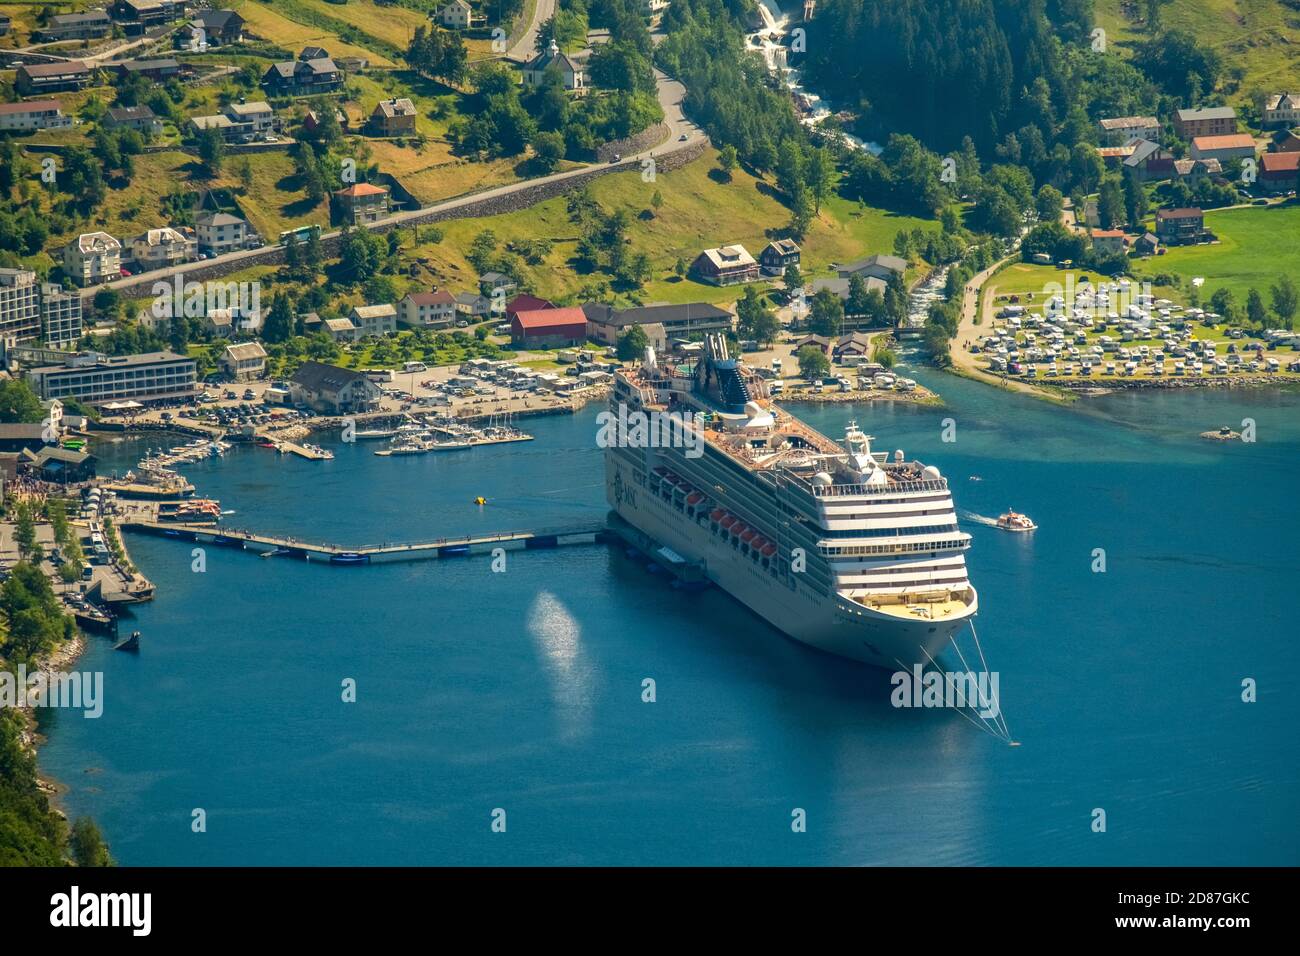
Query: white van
(415, 367)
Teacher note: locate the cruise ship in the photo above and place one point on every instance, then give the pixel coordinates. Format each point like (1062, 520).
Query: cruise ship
(852, 551)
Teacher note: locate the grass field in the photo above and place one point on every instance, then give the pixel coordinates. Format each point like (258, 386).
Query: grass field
(280, 29)
(696, 213)
(1261, 36)
(1256, 245)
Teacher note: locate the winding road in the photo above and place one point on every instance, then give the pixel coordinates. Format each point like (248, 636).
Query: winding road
(682, 134)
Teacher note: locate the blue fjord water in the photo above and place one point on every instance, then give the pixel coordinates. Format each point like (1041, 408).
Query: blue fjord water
(522, 690)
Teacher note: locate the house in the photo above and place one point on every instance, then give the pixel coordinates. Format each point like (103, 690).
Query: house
(138, 15)
(878, 266)
(687, 320)
(777, 255)
(220, 232)
(310, 322)
(819, 342)
(1226, 148)
(457, 15)
(340, 330)
(312, 121)
(303, 77)
(313, 53)
(33, 115)
(854, 343)
(158, 70)
(525, 303)
(496, 286)
(548, 328)
(1287, 141)
(842, 290)
(1119, 130)
(1147, 244)
(1108, 241)
(15, 436)
(158, 248)
(1115, 155)
(240, 123)
(35, 78)
(725, 265)
(59, 465)
(91, 258)
(472, 305)
(139, 118)
(572, 72)
(374, 319)
(219, 27)
(352, 64)
(75, 26)
(1193, 171)
(1278, 171)
(331, 390)
(1149, 162)
(1213, 121)
(430, 310)
(258, 115)
(393, 117)
(361, 203)
(1282, 109)
(1179, 226)
(244, 362)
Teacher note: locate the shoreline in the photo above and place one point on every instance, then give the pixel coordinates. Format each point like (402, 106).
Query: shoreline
(30, 737)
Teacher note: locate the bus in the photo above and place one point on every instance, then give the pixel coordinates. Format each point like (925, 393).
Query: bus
(301, 234)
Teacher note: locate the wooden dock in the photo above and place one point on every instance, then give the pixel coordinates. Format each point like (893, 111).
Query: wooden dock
(275, 545)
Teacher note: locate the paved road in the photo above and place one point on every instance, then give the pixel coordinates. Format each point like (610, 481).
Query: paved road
(967, 330)
(526, 46)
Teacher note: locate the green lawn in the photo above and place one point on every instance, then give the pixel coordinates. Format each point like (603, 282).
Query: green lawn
(1260, 36)
(1256, 246)
(697, 212)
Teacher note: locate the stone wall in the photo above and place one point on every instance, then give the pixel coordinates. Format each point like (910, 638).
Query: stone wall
(642, 141)
(527, 195)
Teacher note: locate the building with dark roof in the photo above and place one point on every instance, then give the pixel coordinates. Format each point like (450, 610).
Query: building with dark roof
(331, 390)
(685, 320)
(303, 77)
(35, 78)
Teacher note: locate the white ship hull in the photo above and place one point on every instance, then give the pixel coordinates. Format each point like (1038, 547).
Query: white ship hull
(827, 622)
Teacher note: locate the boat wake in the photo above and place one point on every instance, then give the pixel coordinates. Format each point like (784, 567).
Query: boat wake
(978, 519)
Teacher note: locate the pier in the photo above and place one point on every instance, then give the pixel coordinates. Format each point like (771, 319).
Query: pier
(269, 545)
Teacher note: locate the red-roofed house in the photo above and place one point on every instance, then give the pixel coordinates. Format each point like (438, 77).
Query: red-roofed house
(525, 303)
(1108, 241)
(1224, 148)
(428, 310)
(548, 328)
(361, 203)
(1278, 172)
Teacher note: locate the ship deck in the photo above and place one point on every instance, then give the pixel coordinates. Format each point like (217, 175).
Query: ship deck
(914, 606)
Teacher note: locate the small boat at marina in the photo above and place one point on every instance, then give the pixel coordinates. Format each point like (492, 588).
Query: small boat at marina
(1015, 521)
(349, 557)
(367, 434)
(131, 643)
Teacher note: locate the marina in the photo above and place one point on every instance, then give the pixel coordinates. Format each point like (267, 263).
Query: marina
(421, 435)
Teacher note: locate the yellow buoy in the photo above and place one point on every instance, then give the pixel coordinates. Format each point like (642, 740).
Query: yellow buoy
(480, 500)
